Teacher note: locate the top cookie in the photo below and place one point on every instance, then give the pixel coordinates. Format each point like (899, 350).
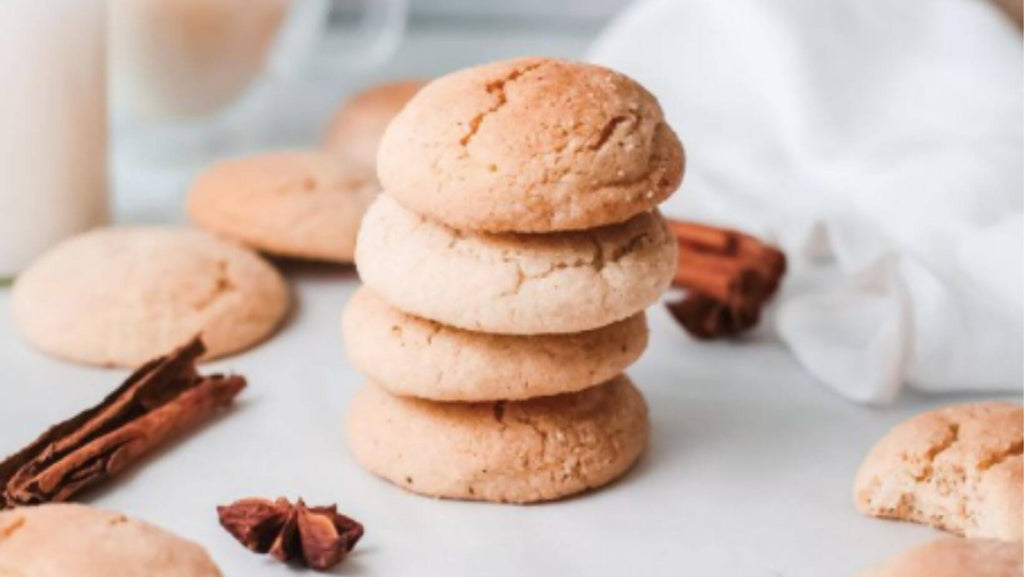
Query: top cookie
(355, 131)
(957, 468)
(62, 540)
(530, 145)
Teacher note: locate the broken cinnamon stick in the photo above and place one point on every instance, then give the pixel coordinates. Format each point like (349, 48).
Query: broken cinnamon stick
(730, 246)
(769, 261)
(163, 399)
(702, 236)
(728, 275)
(723, 278)
(706, 318)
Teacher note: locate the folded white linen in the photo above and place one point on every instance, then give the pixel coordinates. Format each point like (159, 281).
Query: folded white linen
(882, 145)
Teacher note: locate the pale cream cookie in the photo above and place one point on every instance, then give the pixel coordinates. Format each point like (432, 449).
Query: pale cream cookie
(124, 295)
(67, 540)
(955, 557)
(355, 130)
(416, 357)
(957, 468)
(531, 145)
(300, 204)
(514, 283)
(504, 451)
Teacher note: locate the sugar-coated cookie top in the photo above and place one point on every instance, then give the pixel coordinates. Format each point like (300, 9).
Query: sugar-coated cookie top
(507, 451)
(355, 131)
(530, 145)
(296, 203)
(515, 284)
(955, 557)
(958, 467)
(124, 295)
(64, 540)
(417, 357)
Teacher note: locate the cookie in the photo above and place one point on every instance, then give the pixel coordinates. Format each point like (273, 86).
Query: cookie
(300, 204)
(121, 296)
(955, 557)
(504, 451)
(957, 468)
(61, 540)
(355, 131)
(416, 357)
(530, 145)
(514, 283)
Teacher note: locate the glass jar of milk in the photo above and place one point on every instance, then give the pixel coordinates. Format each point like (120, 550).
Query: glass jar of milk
(53, 125)
(196, 80)
(181, 59)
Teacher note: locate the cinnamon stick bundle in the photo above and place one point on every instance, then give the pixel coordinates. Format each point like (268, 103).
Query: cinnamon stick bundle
(729, 277)
(164, 398)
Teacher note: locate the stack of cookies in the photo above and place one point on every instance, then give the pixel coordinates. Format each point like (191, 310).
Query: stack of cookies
(507, 267)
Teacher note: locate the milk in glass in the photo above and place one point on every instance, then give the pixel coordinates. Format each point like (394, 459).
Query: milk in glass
(53, 125)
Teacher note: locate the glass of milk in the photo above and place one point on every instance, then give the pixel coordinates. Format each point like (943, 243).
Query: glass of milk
(53, 125)
(174, 59)
(196, 79)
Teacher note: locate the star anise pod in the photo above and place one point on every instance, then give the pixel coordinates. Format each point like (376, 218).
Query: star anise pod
(318, 537)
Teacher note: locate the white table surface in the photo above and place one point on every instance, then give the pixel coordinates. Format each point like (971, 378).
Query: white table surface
(749, 472)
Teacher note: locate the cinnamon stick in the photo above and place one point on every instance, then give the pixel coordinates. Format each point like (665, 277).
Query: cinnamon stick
(724, 278)
(737, 247)
(769, 261)
(728, 276)
(704, 237)
(705, 318)
(164, 398)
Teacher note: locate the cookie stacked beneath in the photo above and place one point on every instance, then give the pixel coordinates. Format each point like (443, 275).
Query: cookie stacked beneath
(507, 267)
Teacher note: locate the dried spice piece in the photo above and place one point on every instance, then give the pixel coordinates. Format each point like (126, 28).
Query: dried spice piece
(164, 398)
(729, 277)
(705, 318)
(318, 537)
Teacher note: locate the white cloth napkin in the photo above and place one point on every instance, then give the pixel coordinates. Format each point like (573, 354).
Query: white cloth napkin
(880, 143)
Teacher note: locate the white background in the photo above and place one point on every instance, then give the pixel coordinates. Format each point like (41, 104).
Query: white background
(749, 472)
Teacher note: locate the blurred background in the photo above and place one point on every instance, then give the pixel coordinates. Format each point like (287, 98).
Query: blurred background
(878, 143)
(437, 36)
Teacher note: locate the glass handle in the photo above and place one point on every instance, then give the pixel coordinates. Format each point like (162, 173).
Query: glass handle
(379, 32)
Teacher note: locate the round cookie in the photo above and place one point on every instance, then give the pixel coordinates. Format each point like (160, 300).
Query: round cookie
(955, 557)
(958, 468)
(416, 357)
(61, 540)
(514, 283)
(121, 296)
(505, 451)
(356, 129)
(531, 145)
(301, 204)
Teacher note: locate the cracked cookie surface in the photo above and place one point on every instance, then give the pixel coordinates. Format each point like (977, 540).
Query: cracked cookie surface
(504, 451)
(61, 540)
(958, 468)
(121, 296)
(300, 204)
(416, 357)
(531, 145)
(514, 283)
(955, 557)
